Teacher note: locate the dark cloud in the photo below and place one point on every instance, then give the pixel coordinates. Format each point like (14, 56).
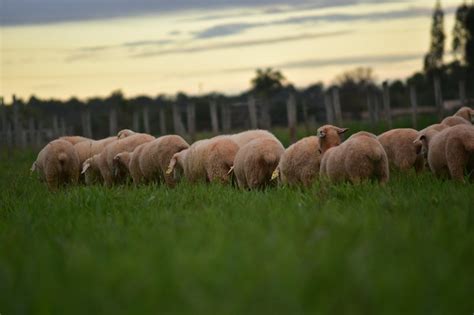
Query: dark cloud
(147, 43)
(225, 30)
(237, 44)
(20, 12)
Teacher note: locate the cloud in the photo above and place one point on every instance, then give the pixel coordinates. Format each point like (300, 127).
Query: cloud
(22, 12)
(239, 44)
(225, 30)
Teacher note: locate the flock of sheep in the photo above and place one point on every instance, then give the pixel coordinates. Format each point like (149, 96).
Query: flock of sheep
(256, 158)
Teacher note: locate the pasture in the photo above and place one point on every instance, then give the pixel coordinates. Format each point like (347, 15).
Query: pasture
(406, 247)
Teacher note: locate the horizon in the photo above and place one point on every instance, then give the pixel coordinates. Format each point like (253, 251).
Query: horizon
(198, 51)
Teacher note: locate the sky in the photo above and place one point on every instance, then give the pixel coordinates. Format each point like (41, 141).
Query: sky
(87, 48)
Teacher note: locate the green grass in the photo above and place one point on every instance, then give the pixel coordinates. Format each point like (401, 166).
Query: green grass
(404, 248)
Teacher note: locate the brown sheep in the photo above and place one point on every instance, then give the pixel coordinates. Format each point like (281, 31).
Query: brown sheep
(244, 137)
(455, 120)
(205, 160)
(358, 158)
(466, 113)
(256, 161)
(57, 164)
(402, 152)
(88, 148)
(450, 151)
(125, 133)
(91, 170)
(73, 139)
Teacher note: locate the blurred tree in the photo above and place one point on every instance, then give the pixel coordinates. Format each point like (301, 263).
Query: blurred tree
(267, 82)
(469, 46)
(460, 35)
(434, 57)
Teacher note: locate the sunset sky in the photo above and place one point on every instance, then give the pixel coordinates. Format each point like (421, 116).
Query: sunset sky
(64, 48)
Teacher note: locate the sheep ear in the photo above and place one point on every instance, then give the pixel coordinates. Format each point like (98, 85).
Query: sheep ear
(341, 130)
(419, 139)
(171, 166)
(85, 167)
(321, 134)
(33, 168)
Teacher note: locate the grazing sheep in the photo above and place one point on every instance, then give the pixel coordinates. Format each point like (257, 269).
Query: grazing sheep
(89, 148)
(125, 133)
(401, 150)
(245, 137)
(329, 136)
(359, 157)
(256, 161)
(134, 164)
(450, 151)
(91, 170)
(435, 127)
(57, 164)
(156, 157)
(455, 120)
(209, 160)
(106, 157)
(73, 139)
(122, 163)
(466, 113)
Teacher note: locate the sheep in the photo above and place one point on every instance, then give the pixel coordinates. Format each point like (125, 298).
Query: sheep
(450, 151)
(125, 133)
(156, 156)
(436, 127)
(245, 137)
(359, 157)
(300, 163)
(455, 120)
(73, 139)
(402, 151)
(57, 164)
(255, 162)
(466, 113)
(106, 157)
(122, 163)
(89, 148)
(134, 163)
(91, 170)
(205, 160)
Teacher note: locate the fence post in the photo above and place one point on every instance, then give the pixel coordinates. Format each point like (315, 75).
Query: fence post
(370, 107)
(136, 119)
(86, 122)
(191, 119)
(39, 134)
(329, 109)
(31, 131)
(163, 120)
(438, 97)
(266, 118)
(178, 124)
(62, 126)
(386, 104)
(19, 134)
(226, 118)
(113, 120)
(146, 119)
(305, 116)
(291, 115)
(414, 106)
(3, 115)
(337, 105)
(214, 119)
(252, 106)
(462, 92)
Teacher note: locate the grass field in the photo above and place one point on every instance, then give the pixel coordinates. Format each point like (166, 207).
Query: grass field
(405, 248)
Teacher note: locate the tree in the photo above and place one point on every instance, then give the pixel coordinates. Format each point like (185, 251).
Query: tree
(434, 57)
(267, 82)
(460, 35)
(469, 46)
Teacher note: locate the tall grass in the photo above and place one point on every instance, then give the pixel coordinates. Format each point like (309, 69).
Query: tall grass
(404, 248)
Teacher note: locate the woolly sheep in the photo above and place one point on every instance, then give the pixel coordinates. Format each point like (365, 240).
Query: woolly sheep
(209, 160)
(245, 137)
(125, 133)
(402, 152)
(450, 151)
(57, 164)
(466, 113)
(255, 162)
(359, 157)
(455, 120)
(106, 157)
(89, 148)
(73, 139)
(91, 170)
(156, 156)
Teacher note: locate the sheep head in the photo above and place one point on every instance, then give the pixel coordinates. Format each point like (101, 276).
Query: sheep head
(329, 136)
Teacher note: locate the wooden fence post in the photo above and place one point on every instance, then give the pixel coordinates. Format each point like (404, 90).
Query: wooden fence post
(177, 123)
(146, 119)
(265, 112)
(20, 140)
(39, 134)
(162, 120)
(329, 109)
(414, 106)
(438, 97)
(55, 123)
(291, 115)
(386, 104)
(462, 92)
(337, 106)
(370, 107)
(214, 119)
(136, 119)
(252, 106)
(113, 128)
(62, 126)
(226, 118)
(191, 119)
(31, 131)
(86, 122)
(305, 116)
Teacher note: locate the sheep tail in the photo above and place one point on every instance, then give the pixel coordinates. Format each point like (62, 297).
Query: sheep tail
(231, 170)
(275, 174)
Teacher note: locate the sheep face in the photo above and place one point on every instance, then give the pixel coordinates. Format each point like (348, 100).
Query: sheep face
(90, 170)
(329, 136)
(124, 133)
(120, 164)
(176, 165)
